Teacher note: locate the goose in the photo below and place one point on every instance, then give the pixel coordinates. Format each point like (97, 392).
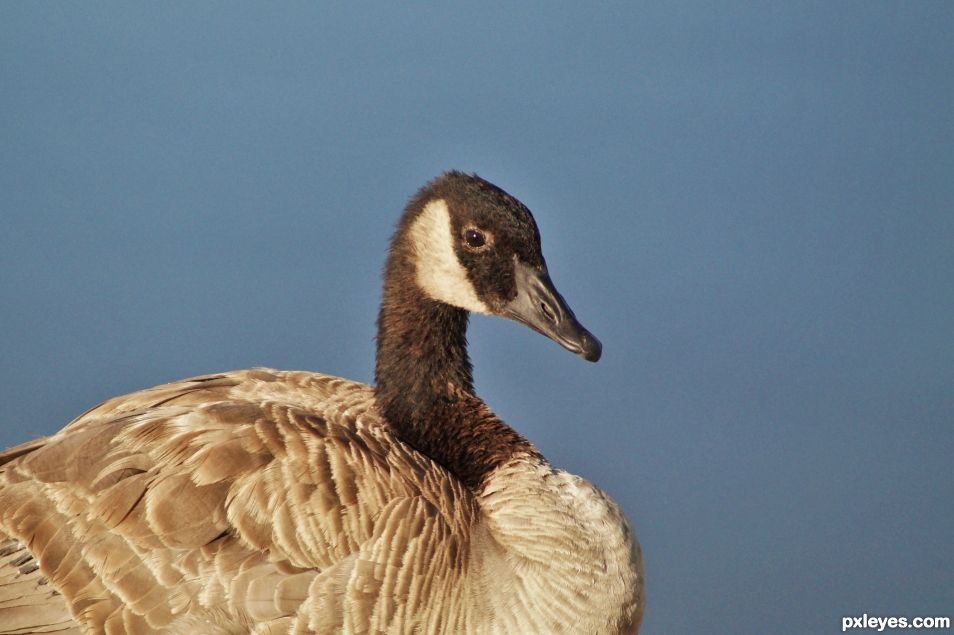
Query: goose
(264, 501)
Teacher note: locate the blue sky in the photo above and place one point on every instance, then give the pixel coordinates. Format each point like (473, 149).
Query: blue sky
(751, 204)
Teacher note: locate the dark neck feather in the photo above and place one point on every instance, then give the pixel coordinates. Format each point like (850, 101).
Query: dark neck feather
(425, 384)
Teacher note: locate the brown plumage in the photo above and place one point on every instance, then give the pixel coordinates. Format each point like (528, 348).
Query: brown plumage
(292, 502)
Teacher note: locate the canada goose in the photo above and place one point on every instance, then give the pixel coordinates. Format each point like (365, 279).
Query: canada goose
(292, 502)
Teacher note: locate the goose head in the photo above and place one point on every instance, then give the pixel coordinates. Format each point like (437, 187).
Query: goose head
(471, 245)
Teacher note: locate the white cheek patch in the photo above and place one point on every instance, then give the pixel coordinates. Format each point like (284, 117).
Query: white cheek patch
(439, 274)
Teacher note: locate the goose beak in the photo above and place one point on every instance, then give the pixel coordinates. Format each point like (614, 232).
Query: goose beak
(541, 307)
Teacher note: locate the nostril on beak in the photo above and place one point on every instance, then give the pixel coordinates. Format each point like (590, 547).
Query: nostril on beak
(547, 312)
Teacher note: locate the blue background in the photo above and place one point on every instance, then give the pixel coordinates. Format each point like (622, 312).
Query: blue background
(751, 204)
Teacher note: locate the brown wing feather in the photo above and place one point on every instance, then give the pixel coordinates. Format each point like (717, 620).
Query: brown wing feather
(28, 603)
(250, 498)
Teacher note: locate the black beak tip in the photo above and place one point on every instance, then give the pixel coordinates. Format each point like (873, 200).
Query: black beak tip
(591, 348)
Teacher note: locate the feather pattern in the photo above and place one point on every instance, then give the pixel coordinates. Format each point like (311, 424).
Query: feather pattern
(282, 502)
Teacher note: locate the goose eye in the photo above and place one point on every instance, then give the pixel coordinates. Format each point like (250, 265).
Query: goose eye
(474, 238)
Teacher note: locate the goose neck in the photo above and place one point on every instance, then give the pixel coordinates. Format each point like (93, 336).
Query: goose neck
(424, 386)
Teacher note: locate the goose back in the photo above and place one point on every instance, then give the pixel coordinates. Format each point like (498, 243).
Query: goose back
(288, 476)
